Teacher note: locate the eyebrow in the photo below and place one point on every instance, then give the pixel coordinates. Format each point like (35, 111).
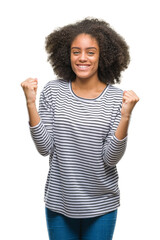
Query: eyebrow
(86, 48)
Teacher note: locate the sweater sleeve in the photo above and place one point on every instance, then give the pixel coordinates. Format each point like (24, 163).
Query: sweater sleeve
(42, 133)
(113, 148)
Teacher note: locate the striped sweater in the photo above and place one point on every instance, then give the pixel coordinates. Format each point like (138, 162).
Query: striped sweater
(78, 135)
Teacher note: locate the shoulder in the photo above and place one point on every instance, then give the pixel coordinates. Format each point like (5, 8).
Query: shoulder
(55, 83)
(50, 90)
(52, 86)
(115, 92)
(115, 96)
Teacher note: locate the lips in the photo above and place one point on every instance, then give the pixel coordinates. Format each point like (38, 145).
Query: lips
(83, 66)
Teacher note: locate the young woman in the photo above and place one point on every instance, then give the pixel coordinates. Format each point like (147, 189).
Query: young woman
(82, 125)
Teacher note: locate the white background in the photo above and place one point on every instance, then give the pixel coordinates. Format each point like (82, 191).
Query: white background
(23, 28)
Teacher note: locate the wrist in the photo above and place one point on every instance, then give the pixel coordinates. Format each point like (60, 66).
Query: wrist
(31, 104)
(126, 117)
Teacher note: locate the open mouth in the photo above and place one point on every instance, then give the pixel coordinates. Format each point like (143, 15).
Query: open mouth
(83, 66)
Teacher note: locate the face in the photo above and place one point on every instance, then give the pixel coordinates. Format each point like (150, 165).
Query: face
(85, 56)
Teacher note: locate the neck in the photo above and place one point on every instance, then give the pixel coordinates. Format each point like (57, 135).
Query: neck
(87, 84)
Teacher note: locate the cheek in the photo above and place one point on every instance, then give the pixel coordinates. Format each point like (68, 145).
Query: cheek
(96, 62)
(96, 59)
(72, 58)
(72, 61)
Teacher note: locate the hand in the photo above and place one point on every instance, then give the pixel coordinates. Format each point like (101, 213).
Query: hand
(30, 89)
(128, 103)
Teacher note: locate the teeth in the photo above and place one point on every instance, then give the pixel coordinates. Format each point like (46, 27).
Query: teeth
(82, 66)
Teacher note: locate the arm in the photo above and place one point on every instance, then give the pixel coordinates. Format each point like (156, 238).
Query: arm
(116, 141)
(34, 117)
(128, 103)
(40, 123)
(30, 90)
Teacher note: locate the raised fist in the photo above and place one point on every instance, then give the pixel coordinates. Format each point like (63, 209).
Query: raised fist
(30, 89)
(129, 101)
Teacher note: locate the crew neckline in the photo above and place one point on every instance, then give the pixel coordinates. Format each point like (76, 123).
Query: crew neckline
(87, 99)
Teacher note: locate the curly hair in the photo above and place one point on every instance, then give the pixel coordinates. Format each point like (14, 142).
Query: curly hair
(114, 51)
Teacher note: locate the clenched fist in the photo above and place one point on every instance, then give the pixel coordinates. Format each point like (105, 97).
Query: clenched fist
(129, 101)
(30, 89)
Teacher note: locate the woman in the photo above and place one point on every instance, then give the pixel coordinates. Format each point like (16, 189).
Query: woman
(82, 125)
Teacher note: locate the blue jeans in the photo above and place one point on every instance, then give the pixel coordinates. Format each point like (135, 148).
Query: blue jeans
(61, 227)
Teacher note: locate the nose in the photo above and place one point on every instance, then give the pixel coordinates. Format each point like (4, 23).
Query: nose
(83, 57)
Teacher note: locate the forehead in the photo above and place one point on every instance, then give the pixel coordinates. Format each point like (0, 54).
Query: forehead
(84, 40)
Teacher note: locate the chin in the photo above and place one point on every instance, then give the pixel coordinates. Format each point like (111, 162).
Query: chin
(84, 75)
